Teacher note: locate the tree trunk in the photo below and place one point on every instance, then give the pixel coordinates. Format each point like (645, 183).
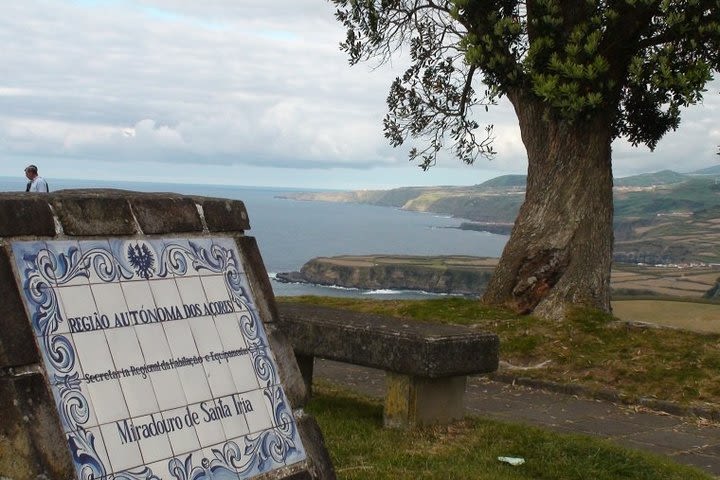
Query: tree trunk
(560, 251)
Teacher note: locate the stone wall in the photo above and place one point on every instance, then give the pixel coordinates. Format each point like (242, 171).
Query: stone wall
(32, 443)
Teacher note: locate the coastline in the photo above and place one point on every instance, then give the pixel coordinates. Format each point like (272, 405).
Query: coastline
(467, 276)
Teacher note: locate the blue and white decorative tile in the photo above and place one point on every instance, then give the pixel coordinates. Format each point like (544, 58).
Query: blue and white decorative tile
(184, 438)
(278, 406)
(113, 357)
(137, 259)
(168, 389)
(218, 460)
(153, 437)
(166, 296)
(256, 410)
(264, 367)
(252, 330)
(216, 289)
(74, 404)
(108, 400)
(191, 293)
(139, 395)
(259, 452)
(93, 352)
(109, 298)
(122, 445)
(192, 257)
(213, 463)
(192, 376)
(236, 424)
(228, 328)
(77, 309)
(297, 452)
(59, 357)
(88, 452)
(129, 362)
(243, 372)
(66, 263)
(99, 262)
(216, 367)
(156, 351)
(32, 262)
(208, 415)
(138, 298)
(159, 470)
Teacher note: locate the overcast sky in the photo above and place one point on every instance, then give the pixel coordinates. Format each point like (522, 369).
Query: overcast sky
(240, 92)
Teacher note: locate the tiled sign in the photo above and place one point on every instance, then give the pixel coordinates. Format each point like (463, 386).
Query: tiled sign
(157, 358)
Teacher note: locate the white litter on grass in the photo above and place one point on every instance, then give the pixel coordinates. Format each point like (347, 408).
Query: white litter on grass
(514, 461)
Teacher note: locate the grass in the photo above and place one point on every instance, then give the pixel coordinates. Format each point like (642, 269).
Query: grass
(361, 449)
(588, 349)
(695, 316)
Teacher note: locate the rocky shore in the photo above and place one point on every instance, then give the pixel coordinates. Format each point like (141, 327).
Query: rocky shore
(459, 275)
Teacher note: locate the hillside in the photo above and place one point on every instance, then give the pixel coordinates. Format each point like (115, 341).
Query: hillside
(660, 218)
(663, 177)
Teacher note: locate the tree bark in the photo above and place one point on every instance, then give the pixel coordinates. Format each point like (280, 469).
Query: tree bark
(560, 250)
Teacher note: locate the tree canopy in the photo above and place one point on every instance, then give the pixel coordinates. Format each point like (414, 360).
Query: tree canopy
(634, 62)
(579, 73)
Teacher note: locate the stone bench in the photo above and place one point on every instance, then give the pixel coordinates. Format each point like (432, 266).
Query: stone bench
(426, 364)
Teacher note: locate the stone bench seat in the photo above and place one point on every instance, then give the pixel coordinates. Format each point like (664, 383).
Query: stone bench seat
(426, 364)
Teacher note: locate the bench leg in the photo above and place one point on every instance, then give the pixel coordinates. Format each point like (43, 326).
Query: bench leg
(306, 364)
(414, 401)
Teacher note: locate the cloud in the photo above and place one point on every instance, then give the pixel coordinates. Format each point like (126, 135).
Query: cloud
(227, 83)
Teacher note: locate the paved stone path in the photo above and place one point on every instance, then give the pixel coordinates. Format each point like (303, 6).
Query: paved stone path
(686, 440)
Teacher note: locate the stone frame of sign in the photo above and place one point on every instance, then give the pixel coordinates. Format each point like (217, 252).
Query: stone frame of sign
(139, 340)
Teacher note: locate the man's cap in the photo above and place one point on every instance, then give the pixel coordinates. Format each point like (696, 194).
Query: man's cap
(32, 168)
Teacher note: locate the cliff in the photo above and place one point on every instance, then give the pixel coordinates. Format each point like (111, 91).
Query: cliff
(466, 275)
(445, 274)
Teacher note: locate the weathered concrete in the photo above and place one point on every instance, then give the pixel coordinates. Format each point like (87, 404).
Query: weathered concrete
(406, 347)
(25, 215)
(168, 214)
(414, 401)
(92, 214)
(426, 364)
(17, 345)
(32, 444)
(223, 215)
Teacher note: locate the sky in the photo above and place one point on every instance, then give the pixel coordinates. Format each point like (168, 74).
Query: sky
(238, 92)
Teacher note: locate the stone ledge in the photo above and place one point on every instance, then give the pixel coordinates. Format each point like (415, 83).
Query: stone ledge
(88, 214)
(224, 215)
(409, 347)
(99, 212)
(166, 214)
(25, 214)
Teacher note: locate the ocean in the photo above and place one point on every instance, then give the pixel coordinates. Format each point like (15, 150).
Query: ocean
(289, 232)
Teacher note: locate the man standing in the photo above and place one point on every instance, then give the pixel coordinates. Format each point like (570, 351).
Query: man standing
(36, 183)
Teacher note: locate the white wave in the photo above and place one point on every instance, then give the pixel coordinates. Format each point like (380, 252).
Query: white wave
(336, 287)
(272, 275)
(383, 291)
